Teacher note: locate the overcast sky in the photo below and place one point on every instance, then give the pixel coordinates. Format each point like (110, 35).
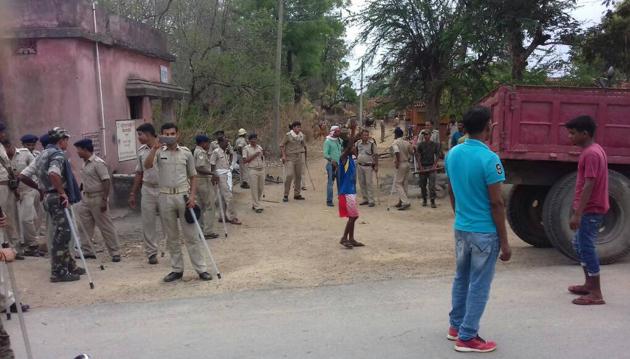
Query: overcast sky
(589, 12)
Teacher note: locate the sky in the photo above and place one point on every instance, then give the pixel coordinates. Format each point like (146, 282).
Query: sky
(589, 12)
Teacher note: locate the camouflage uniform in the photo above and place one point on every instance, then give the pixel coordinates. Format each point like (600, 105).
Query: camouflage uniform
(5, 344)
(53, 160)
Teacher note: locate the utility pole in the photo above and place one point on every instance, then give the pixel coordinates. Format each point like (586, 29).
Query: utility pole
(276, 104)
(361, 98)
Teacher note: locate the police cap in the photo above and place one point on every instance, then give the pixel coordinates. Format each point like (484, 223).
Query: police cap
(29, 139)
(199, 139)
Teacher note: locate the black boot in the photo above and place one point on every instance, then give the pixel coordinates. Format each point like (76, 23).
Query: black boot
(424, 202)
(433, 204)
(173, 276)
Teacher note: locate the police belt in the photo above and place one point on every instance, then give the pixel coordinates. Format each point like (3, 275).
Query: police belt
(174, 190)
(4, 183)
(92, 194)
(366, 164)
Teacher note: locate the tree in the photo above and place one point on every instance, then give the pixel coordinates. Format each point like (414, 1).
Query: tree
(609, 42)
(426, 44)
(526, 25)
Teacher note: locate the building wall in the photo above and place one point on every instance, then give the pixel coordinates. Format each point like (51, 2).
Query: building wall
(58, 87)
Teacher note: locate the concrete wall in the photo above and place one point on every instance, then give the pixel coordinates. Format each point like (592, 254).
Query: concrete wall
(31, 18)
(58, 87)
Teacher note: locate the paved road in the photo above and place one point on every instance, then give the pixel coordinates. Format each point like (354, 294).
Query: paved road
(529, 315)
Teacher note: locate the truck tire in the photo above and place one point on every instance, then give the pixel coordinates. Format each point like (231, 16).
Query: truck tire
(613, 241)
(524, 213)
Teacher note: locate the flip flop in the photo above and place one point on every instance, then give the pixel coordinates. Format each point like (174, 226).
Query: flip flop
(235, 222)
(579, 290)
(585, 300)
(346, 244)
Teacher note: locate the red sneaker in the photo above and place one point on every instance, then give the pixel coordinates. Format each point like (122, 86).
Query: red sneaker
(476, 345)
(452, 333)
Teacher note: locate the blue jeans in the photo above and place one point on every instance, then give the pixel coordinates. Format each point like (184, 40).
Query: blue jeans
(329, 184)
(476, 255)
(584, 242)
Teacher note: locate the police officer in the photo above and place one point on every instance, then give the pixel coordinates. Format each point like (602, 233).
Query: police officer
(239, 144)
(205, 189)
(93, 209)
(8, 193)
(28, 196)
(177, 178)
(293, 149)
(220, 166)
(367, 160)
(254, 160)
(402, 152)
(148, 181)
(57, 182)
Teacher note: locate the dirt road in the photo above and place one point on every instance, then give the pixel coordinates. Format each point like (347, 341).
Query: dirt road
(291, 244)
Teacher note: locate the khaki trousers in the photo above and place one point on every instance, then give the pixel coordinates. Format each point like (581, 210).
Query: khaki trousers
(9, 207)
(172, 207)
(205, 199)
(40, 218)
(366, 175)
(90, 215)
(243, 169)
(226, 195)
(402, 182)
(150, 209)
(27, 215)
(257, 185)
(294, 171)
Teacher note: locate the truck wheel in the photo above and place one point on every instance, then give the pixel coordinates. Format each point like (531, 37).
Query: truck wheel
(524, 213)
(613, 241)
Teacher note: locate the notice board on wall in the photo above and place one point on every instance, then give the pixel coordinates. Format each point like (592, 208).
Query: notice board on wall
(126, 138)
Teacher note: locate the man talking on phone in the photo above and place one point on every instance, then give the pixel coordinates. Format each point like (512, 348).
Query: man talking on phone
(177, 178)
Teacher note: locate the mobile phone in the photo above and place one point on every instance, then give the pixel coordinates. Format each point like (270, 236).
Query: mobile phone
(167, 140)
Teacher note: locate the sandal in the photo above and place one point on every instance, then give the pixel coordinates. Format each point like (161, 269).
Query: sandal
(235, 221)
(346, 244)
(579, 290)
(586, 300)
(356, 244)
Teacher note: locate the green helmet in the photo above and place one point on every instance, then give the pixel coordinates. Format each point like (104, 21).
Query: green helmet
(58, 133)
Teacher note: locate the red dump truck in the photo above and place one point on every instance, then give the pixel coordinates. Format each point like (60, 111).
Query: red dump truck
(528, 134)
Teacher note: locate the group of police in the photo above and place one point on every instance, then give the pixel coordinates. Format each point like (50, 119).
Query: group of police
(40, 187)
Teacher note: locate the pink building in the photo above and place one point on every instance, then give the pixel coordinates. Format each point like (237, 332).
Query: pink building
(49, 74)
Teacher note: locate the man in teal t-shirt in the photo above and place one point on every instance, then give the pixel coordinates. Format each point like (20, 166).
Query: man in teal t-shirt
(475, 174)
(332, 153)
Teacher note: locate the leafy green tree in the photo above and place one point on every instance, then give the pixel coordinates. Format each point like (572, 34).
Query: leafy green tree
(523, 26)
(424, 45)
(608, 44)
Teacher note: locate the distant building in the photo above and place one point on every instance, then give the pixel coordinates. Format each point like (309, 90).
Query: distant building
(49, 74)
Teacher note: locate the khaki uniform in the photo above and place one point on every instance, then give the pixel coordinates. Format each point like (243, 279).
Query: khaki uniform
(28, 197)
(294, 148)
(402, 174)
(365, 168)
(256, 170)
(381, 124)
(40, 218)
(239, 144)
(220, 160)
(175, 167)
(8, 204)
(149, 203)
(93, 173)
(205, 190)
